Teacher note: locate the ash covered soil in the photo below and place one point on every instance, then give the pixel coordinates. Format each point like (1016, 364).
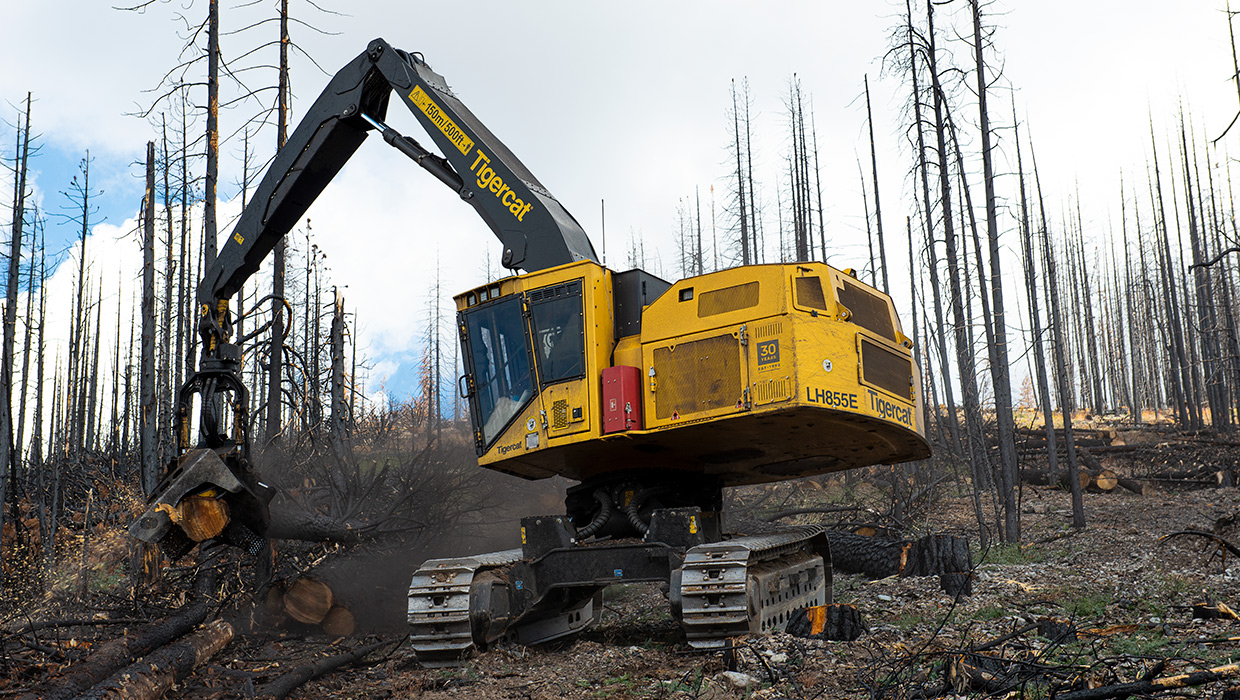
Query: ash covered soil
(1127, 593)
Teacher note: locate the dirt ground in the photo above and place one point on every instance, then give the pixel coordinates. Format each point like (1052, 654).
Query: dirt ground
(1115, 572)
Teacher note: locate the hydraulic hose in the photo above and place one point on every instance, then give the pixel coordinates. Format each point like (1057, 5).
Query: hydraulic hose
(604, 514)
(639, 499)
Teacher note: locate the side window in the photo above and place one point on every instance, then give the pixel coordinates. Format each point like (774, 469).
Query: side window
(559, 335)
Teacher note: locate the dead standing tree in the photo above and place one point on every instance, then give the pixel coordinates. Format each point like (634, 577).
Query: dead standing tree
(9, 484)
(979, 456)
(1000, 374)
(147, 415)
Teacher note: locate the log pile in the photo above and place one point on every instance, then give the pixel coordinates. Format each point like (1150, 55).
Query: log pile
(1093, 480)
(310, 601)
(1137, 463)
(155, 674)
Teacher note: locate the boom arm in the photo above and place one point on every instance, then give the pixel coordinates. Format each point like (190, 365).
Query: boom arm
(536, 232)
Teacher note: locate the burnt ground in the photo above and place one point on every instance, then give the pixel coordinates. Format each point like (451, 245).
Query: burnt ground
(1114, 573)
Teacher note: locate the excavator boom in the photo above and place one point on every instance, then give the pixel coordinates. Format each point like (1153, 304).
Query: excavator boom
(536, 231)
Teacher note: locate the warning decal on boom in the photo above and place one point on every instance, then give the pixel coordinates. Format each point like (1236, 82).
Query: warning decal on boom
(444, 122)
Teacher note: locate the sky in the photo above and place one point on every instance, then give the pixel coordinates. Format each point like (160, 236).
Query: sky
(625, 103)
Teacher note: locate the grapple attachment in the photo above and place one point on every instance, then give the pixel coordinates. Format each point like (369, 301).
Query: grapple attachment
(206, 496)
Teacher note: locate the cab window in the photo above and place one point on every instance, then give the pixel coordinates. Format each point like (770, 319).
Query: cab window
(559, 338)
(500, 364)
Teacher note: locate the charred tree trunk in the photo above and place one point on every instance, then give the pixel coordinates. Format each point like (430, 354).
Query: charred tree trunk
(8, 494)
(1035, 321)
(147, 418)
(275, 354)
(1000, 374)
(878, 206)
(1065, 394)
(979, 457)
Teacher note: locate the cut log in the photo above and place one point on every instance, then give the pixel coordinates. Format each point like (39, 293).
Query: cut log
(339, 622)
(841, 623)
(1103, 480)
(273, 602)
(877, 557)
(1039, 477)
(1137, 487)
(291, 522)
(151, 677)
(871, 530)
(1089, 460)
(308, 600)
(978, 672)
(202, 517)
(287, 683)
(873, 557)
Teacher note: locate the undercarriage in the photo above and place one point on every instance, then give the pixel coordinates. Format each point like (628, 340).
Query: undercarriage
(718, 586)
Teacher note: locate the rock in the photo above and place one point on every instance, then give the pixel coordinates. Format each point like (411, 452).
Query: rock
(738, 680)
(885, 598)
(778, 658)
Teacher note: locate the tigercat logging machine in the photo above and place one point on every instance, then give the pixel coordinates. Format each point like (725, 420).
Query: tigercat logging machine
(653, 396)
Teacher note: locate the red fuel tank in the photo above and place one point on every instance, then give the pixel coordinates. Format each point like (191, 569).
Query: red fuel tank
(622, 401)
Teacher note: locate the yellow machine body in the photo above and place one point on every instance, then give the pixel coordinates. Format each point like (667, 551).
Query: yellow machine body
(751, 375)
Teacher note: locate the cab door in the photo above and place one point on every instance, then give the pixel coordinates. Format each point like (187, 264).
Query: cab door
(557, 328)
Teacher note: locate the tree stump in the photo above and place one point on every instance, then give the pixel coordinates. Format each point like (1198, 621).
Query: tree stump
(1057, 629)
(956, 583)
(938, 554)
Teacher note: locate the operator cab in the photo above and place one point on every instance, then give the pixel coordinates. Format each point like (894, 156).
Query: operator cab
(515, 344)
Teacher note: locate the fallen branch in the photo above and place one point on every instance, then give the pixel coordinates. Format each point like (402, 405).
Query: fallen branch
(151, 677)
(287, 683)
(1157, 685)
(1005, 638)
(1208, 535)
(1211, 640)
